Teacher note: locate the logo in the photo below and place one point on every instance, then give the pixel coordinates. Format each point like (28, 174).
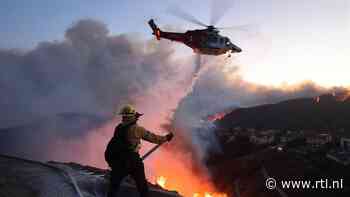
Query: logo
(270, 183)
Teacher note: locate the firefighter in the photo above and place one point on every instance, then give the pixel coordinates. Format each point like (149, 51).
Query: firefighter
(122, 151)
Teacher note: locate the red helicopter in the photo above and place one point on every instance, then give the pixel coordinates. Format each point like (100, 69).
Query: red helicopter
(203, 41)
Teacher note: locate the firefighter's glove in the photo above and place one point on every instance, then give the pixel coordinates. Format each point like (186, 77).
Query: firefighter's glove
(169, 137)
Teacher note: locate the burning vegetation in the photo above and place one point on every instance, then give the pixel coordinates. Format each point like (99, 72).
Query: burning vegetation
(217, 116)
(175, 176)
(162, 181)
(340, 96)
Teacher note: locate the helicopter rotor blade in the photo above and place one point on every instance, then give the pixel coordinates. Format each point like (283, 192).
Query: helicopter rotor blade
(247, 30)
(178, 12)
(238, 27)
(218, 10)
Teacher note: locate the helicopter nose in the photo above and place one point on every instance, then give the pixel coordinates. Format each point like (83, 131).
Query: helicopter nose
(236, 49)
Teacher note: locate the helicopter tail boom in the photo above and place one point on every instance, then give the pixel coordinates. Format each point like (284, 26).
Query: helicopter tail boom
(173, 36)
(155, 29)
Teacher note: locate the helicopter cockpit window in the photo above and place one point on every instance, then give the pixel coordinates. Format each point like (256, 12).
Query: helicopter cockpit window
(227, 41)
(212, 39)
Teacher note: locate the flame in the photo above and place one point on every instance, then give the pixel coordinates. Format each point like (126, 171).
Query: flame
(317, 99)
(343, 96)
(339, 96)
(161, 181)
(216, 116)
(206, 194)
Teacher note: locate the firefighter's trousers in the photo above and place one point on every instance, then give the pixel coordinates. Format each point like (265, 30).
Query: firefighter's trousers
(128, 164)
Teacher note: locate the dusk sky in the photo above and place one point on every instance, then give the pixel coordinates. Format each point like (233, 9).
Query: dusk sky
(287, 41)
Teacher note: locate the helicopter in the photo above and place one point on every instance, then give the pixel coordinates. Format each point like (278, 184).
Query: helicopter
(206, 41)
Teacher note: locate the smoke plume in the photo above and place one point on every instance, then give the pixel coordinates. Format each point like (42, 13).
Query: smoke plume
(59, 91)
(220, 88)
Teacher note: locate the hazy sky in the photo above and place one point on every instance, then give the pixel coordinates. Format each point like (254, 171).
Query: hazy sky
(288, 40)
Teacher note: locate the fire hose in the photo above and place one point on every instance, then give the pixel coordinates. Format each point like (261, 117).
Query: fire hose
(171, 135)
(151, 151)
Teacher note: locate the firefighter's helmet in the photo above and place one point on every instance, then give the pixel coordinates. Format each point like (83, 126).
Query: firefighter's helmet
(128, 110)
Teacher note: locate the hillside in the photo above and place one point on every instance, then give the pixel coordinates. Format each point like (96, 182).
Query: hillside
(246, 166)
(323, 112)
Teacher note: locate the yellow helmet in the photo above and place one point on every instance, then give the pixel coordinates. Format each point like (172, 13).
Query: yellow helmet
(128, 110)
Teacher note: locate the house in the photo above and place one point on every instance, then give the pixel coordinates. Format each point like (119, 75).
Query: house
(341, 154)
(261, 139)
(270, 132)
(318, 140)
(345, 143)
(289, 136)
(251, 131)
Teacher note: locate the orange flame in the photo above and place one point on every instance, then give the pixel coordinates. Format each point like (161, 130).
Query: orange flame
(161, 181)
(317, 99)
(206, 194)
(341, 97)
(216, 116)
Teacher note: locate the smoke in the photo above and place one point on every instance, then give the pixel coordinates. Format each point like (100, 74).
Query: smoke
(58, 99)
(218, 88)
(89, 74)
